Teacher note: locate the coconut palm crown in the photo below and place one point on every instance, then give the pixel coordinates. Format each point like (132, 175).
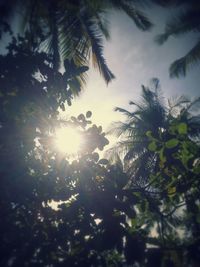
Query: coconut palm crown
(152, 114)
(75, 30)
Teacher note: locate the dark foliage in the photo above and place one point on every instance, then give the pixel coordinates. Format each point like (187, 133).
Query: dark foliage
(187, 19)
(89, 226)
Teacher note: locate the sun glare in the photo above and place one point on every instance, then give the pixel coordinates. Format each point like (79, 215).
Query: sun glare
(68, 140)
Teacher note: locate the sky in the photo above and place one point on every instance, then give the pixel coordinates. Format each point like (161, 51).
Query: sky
(135, 58)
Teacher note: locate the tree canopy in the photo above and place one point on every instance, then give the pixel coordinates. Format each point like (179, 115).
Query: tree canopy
(83, 210)
(160, 155)
(72, 30)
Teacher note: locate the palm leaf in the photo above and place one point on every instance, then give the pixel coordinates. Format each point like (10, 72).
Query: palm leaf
(141, 21)
(96, 40)
(103, 26)
(119, 150)
(193, 104)
(129, 7)
(121, 128)
(186, 22)
(175, 104)
(181, 66)
(140, 107)
(127, 113)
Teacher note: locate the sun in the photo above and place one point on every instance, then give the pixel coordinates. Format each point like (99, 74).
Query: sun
(68, 140)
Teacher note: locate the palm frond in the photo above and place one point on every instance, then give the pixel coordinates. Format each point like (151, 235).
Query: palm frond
(127, 113)
(141, 21)
(194, 104)
(135, 151)
(177, 101)
(103, 24)
(147, 97)
(74, 45)
(118, 150)
(120, 128)
(181, 66)
(140, 107)
(139, 18)
(161, 38)
(186, 22)
(175, 104)
(71, 37)
(55, 45)
(155, 84)
(96, 40)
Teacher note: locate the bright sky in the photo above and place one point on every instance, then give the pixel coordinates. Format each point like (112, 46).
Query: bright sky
(135, 58)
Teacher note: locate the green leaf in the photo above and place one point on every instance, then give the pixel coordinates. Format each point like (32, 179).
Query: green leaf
(172, 143)
(182, 128)
(171, 190)
(162, 156)
(152, 146)
(149, 133)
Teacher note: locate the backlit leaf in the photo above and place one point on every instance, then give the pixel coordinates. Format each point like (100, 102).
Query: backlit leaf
(152, 146)
(172, 143)
(182, 128)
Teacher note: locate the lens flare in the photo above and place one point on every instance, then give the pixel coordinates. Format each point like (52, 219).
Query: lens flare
(68, 140)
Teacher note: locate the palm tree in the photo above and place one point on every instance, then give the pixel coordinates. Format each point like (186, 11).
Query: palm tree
(75, 30)
(187, 20)
(151, 115)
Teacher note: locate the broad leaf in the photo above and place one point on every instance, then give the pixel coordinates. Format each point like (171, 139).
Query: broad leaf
(172, 143)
